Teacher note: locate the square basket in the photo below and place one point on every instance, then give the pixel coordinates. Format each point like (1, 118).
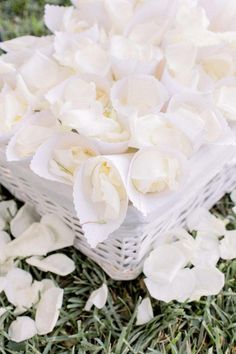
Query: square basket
(212, 173)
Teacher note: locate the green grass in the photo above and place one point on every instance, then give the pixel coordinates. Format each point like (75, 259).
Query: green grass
(208, 326)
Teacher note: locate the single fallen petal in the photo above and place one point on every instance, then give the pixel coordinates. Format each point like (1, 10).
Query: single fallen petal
(233, 196)
(202, 220)
(209, 281)
(145, 312)
(228, 245)
(206, 251)
(97, 298)
(57, 263)
(18, 288)
(37, 240)
(39, 287)
(48, 310)
(63, 235)
(21, 329)
(164, 262)
(180, 288)
(25, 216)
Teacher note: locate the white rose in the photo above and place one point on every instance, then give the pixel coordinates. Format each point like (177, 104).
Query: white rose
(129, 57)
(100, 196)
(37, 129)
(61, 156)
(156, 130)
(140, 94)
(154, 175)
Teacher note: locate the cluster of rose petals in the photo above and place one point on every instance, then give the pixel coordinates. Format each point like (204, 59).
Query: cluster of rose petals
(183, 267)
(118, 98)
(32, 240)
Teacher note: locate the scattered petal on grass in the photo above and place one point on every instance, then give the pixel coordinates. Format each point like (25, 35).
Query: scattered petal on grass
(63, 235)
(145, 312)
(39, 287)
(21, 329)
(37, 240)
(18, 289)
(209, 281)
(97, 298)
(25, 216)
(57, 263)
(228, 245)
(48, 310)
(206, 252)
(164, 262)
(180, 288)
(202, 220)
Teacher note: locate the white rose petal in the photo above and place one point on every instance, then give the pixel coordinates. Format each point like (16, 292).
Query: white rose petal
(48, 310)
(154, 175)
(39, 287)
(18, 289)
(209, 281)
(141, 94)
(25, 42)
(38, 240)
(100, 196)
(36, 130)
(4, 240)
(223, 97)
(59, 158)
(57, 263)
(63, 235)
(25, 216)
(180, 288)
(202, 220)
(130, 58)
(97, 298)
(228, 245)
(61, 18)
(164, 262)
(21, 329)
(156, 130)
(145, 312)
(206, 251)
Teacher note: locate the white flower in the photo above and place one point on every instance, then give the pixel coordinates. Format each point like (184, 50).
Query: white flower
(61, 18)
(100, 197)
(197, 117)
(144, 312)
(48, 74)
(57, 263)
(228, 245)
(97, 298)
(21, 329)
(154, 174)
(223, 97)
(59, 158)
(25, 216)
(14, 107)
(156, 130)
(129, 57)
(48, 310)
(138, 94)
(37, 129)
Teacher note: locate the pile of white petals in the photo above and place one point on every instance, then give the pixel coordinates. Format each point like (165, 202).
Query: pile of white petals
(24, 236)
(184, 268)
(117, 100)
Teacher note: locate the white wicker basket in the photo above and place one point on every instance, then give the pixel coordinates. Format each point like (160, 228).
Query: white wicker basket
(213, 173)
